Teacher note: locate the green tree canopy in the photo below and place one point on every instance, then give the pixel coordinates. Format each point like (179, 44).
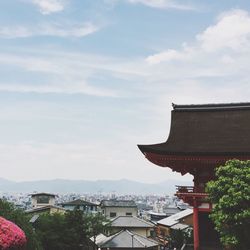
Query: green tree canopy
(70, 231)
(230, 195)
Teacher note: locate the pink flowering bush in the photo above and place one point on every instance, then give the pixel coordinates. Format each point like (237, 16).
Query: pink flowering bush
(11, 236)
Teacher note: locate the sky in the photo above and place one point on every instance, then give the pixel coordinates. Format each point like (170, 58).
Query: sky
(82, 82)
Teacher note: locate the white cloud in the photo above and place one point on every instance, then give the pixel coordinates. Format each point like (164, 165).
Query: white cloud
(49, 29)
(58, 88)
(163, 4)
(158, 73)
(65, 74)
(66, 78)
(17, 31)
(231, 31)
(166, 56)
(49, 6)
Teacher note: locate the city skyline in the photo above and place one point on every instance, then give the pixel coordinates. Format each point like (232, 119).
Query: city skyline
(83, 82)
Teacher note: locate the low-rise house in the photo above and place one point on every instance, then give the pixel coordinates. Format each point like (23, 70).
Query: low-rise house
(50, 209)
(85, 206)
(181, 220)
(155, 216)
(125, 239)
(42, 199)
(115, 208)
(133, 224)
(171, 211)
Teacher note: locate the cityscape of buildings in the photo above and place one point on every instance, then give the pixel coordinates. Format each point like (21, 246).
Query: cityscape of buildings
(156, 203)
(142, 216)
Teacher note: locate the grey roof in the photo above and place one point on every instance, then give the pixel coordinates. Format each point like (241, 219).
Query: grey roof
(118, 203)
(47, 194)
(174, 219)
(180, 226)
(34, 218)
(43, 208)
(171, 210)
(78, 202)
(183, 206)
(130, 222)
(128, 239)
(100, 239)
(156, 213)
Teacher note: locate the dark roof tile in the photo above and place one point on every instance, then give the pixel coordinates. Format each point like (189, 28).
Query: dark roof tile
(215, 129)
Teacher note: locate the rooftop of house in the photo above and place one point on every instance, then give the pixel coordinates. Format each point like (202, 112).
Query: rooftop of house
(180, 226)
(130, 222)
(183, 206)
(208, 129)
(171, 210)
(78, 202)
(174, 219)
(125, 239)
(118, 203)
(44, 208)
(45, 194)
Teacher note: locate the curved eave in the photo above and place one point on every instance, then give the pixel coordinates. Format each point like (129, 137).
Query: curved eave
(188, 162)
(162, 149)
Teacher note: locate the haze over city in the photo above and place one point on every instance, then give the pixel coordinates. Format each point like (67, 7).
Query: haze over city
(83, 82)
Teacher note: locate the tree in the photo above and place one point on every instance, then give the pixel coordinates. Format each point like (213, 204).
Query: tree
(52, 231)
(179, 237)
(230, 195)
(70, 231)
(16, 215)
(96, 224)
(77, 225)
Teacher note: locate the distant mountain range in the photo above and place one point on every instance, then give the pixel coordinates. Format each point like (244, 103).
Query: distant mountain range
(122, 186)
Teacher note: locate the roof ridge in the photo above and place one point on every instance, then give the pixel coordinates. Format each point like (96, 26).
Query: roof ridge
(109, 238)
(136, 234)
(135, 237)
(236, 105)
(134, 217)
(142, 220)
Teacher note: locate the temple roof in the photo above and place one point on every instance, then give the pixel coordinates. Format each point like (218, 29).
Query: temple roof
(211, 129)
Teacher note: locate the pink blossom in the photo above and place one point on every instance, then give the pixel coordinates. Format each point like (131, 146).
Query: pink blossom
(11, 236)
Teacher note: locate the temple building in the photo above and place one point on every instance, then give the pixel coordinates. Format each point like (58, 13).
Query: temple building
(201, 138)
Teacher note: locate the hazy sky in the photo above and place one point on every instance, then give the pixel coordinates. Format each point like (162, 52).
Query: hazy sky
(82, 82)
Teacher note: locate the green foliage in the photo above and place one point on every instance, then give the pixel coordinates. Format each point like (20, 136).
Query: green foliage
(178, 237)
(230, 194)
(70, 231)
(10, 212)
(96, 224)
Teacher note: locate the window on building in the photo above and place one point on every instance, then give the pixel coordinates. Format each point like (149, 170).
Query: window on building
(128, 214)
(112, 214)
(43, 199)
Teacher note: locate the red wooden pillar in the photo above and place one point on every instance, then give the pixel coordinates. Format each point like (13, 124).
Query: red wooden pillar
(196, 228)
